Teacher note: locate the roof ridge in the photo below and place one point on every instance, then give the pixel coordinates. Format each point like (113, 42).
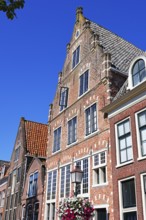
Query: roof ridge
(116, 35)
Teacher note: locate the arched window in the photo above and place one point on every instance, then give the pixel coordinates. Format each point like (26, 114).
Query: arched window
(138, 72)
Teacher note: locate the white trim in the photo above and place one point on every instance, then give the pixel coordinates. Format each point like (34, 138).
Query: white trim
(130, 83)
(124, 210)
(140, 157)
(143, 196)
(128, 104)
(117, 144)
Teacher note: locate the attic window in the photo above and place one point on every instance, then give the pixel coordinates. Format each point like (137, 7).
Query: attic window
(138, 72)
(63, 98)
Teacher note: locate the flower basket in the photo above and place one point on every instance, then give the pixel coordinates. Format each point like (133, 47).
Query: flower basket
(75, 209)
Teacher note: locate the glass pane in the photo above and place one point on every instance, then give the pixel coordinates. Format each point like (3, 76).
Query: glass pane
(136, 79)
(122, 143)
(129, 141)
(127, 126)
(120, 129)
(141, 64)
(135, 68)
(123, 156)
(142, 75)
(129, 154)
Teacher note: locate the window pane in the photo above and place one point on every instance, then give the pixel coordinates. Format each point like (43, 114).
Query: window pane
(128, 192)
(130, 216)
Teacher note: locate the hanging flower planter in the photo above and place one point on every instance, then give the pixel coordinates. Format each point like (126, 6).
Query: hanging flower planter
(75, 209)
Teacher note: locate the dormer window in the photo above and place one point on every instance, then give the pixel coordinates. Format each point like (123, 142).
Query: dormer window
(75, 58)
(138, 72)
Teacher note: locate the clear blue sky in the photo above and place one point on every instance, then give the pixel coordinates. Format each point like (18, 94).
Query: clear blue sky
(33, 50)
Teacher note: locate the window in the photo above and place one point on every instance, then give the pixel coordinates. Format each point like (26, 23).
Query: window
(33, 184)
(142, 132)
(76, 55)
(84, 83)
(138, 72)
(29, 212)
(91, 119)
(57, 138)
(100, 214)
(128, 200)
(18, 174)
(17, 151)
(124, 141)
(52, 178)
(99, 168)
(63, 98)
(84, 186)
(65, 181)
(51, 194)
(72, 130)
(36, 211)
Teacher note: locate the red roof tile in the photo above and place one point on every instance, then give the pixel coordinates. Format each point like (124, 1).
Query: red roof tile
(36, 138)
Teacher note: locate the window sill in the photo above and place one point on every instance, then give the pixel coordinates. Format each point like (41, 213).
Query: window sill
(92, 134)
(72, 144)
(100, 185)
(141, 158)
(53, 153)
(124, 164)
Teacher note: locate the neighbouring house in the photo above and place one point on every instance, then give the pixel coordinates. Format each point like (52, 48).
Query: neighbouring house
(95, 68)
(29, 154)
(127, 116)
(4, 167)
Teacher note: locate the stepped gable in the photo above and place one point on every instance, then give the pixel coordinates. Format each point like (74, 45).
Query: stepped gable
(122, 52)
(36, 138)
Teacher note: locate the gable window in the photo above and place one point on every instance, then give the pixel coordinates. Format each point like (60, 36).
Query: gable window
(75, 58)
(124, 141)
(142, 132)
(63, 98)
(84, 83)
(17, 152)
(33, 179)
(65, 182)
(99, 168)
(84, 186)
(72, 130)
(128, 199)
(91, 119)
(138, 72)
(51, 194)
(57, 139)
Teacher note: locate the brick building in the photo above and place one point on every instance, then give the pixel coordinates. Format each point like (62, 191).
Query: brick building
(4, 166)
(95, 68)
(127, 115)
(31, 142)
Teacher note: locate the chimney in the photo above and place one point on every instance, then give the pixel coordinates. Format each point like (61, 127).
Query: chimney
(79, 14)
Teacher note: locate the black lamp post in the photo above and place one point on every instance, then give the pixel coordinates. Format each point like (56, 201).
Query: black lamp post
(76, 177)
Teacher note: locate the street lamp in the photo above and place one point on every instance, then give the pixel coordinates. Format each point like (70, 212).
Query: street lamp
(76, 177)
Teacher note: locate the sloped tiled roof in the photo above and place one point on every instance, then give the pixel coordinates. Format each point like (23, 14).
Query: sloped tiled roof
(36, 138)
(122, 52)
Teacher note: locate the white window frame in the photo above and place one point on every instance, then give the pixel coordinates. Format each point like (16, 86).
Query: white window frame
(84, 194)
(64, 181)
(124, 210)
(119, 164)
(99, 166)
(54, 152)
(97, 129)
(130, 80)
(78, 46)
(140, 157)
(32, 183)
(51, 201)
(72, 143)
